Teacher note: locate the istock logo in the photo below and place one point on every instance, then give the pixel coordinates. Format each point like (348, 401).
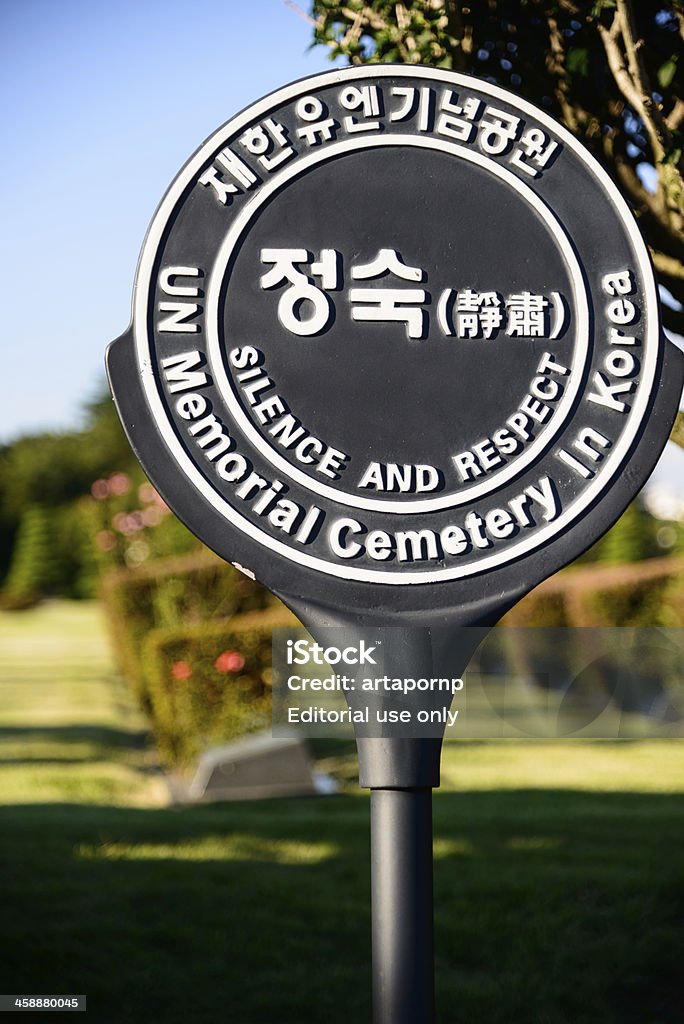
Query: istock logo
(299, 652)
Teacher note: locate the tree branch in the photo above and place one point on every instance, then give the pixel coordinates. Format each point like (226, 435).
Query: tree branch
(366, 16)
(555, 64)
(650, 209)
(659, 233)
(638, 74)
(631, 77)
(613, 145)
(679, 15)
(616, 62)
(670, 273)
(457, 30)
(676, 116)
(667, 265)
(296, 9)
(653, 219)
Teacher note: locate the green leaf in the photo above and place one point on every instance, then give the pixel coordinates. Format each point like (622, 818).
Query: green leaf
(578, 61)
(673, 157)
(667, 71)
(602, 5)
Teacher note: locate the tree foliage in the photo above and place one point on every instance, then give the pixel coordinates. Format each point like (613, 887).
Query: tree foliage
(35, 569)
(53, 470)
(611, 70)
(75, 504)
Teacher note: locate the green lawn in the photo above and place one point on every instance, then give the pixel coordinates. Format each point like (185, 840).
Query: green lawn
(68, 730)
(559, 870)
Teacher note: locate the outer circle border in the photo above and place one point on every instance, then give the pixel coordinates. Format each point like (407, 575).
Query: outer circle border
(149, 383)
(451, 500)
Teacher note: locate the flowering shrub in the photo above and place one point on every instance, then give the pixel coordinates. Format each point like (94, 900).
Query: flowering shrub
(211, 682)
(130, 524)
(172, 594)
(648, 593)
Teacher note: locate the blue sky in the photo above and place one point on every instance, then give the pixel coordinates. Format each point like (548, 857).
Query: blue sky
(102, 105)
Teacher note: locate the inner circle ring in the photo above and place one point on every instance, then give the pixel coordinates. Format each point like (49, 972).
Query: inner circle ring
(226, 387)
(157, 401)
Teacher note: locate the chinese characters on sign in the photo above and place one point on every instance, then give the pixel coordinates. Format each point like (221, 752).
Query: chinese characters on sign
(305, 309)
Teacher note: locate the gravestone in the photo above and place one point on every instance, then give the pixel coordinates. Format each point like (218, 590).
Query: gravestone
(253, 768)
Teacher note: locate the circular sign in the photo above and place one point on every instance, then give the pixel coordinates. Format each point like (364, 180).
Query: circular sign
(394, 325)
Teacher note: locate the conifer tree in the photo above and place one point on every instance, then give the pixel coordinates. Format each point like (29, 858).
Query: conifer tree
(35, 566)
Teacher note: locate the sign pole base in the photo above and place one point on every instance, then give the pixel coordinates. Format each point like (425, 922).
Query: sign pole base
(401, 772)
(402, 906)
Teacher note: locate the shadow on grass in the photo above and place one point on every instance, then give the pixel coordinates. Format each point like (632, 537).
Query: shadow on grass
(103, 735)
(554, 906)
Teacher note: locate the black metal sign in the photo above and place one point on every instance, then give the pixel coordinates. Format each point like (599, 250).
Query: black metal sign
(394, 326)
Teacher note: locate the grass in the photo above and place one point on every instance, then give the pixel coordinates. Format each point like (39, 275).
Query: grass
(559, 881)
(68, 729)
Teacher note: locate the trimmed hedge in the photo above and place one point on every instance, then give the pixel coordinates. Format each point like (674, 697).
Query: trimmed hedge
(648, 593)
(194, 635)
(210, 682)
(639, 603)
(172, 594)
(539, 609)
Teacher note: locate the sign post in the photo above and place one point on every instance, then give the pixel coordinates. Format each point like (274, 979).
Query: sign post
(396, 353)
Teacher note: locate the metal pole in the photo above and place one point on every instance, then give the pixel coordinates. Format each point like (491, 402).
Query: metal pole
(402, 912)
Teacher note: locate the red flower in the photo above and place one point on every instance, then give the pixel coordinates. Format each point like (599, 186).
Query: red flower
(181, 670)
(229, 661)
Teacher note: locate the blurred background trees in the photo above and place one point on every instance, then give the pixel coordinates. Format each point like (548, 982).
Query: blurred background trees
(75, 504)
(78, 517)
(610, 70)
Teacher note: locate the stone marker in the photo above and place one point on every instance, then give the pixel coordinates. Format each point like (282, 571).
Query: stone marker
(253, 768)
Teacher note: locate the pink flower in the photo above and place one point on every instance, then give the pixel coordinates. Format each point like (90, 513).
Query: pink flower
(229, 661)
(120, 521)
(146, 493)
(151, 516)
(136, 521)
(181, 670)
(127, 523)
(105, 540)
(100, 490)
(119, 483)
